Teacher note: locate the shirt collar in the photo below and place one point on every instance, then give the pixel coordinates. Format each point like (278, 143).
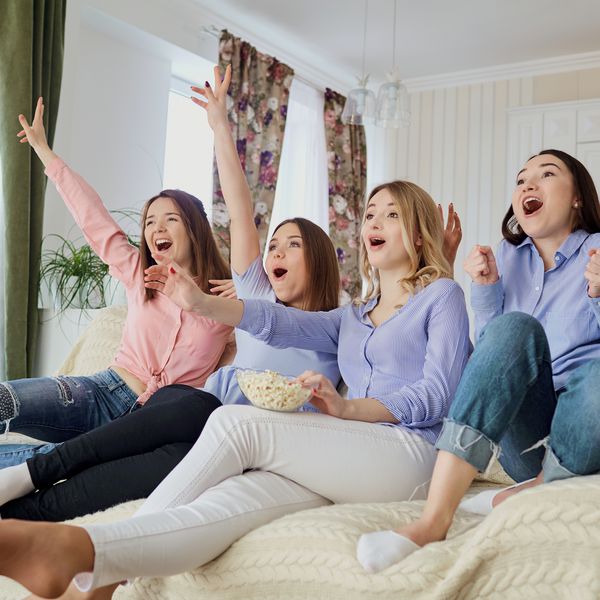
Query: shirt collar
(568, 247)
(365, 308)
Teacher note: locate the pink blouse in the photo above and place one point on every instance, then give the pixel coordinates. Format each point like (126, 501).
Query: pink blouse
(161, 343)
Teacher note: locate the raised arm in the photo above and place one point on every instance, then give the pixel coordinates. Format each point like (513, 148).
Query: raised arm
(245, 245)
(487, 294)
(101, 231)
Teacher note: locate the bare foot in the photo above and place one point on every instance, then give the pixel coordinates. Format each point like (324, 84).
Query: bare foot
(72, 593)
(44, 557)
(511, 491)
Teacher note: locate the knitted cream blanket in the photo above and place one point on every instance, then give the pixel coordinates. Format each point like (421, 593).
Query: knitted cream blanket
(543, 543)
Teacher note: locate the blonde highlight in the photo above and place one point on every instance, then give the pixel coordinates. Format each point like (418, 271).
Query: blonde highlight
(419, 214)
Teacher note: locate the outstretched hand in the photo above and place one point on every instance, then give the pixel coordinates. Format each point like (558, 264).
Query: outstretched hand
(214, 102)
(452, 233)
(592, 273)
(34, 134)
(225, 288)
(172, 280)
(324, 396)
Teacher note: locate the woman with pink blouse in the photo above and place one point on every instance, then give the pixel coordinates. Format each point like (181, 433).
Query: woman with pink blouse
(161, 343)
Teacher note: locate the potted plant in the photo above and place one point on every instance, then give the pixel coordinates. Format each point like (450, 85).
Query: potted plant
(74, 274)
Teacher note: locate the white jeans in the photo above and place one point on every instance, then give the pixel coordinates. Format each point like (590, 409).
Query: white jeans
(249, 467)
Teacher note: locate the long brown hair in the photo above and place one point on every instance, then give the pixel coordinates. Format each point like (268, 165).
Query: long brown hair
(588, 211)
(207, 262)
(323, 281)
(418, 215)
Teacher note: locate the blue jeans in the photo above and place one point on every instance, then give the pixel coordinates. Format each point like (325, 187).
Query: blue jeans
(56, 409)
(506, 405)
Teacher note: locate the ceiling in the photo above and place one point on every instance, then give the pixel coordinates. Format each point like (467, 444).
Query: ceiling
(433, 37)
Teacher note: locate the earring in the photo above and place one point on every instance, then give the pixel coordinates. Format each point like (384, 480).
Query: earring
(576, 205)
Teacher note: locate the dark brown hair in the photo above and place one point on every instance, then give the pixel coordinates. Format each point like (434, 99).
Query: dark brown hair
(207, 262)
(323, 285)
(588, 211)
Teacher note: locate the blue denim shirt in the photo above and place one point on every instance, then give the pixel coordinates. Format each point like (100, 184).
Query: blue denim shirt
(411, 363)
(557, 298)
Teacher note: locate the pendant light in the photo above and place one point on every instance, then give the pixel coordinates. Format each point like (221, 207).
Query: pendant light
(393, 108)
(359, 108)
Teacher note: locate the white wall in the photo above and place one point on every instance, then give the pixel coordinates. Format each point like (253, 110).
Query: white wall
(112, 119)
(456, 146)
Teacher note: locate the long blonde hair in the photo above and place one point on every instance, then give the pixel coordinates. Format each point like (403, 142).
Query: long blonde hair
(419, 215)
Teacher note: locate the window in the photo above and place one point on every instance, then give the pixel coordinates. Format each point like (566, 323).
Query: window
(189, 146)
(302, 182)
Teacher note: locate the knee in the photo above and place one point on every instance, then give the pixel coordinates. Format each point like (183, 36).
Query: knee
(205, 400)
(516, 328)
(231, 417)
(587, 380)
(9, 402)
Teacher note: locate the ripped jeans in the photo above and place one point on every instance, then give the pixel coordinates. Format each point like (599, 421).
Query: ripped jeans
(506, 405)
(55, 409)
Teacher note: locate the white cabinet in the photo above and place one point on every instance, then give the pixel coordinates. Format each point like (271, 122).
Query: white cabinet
(573, 127)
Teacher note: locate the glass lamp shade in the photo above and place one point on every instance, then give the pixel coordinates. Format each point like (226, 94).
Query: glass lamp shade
(392, 105)
(359, 108)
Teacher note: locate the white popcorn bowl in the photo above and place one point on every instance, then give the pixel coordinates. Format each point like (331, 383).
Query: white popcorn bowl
(271, 390)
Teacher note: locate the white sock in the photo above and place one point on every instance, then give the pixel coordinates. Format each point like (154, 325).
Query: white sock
(15, 482)
(480, 504)
(380, 549)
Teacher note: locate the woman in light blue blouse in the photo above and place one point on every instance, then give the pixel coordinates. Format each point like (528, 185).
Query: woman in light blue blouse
(401, 351)
(530, 391)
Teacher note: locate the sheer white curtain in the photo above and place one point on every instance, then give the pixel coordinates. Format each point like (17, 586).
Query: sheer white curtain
(302, 184)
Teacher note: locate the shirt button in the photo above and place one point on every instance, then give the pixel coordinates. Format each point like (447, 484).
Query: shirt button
(557, 258)
(537, 289)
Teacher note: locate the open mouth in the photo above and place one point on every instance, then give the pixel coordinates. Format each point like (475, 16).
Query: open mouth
(279, 272)
(162, 245)
(531, 205)
(376, 242)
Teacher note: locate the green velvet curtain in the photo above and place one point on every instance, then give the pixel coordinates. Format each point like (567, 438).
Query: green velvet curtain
(31, 58)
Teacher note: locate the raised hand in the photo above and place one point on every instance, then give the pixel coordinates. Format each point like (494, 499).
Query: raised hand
(35, 134)
(324, 396)
(172, 280)
(592, 273)
(481, 266)
(452, 233)
(223, 287)
(214, 102)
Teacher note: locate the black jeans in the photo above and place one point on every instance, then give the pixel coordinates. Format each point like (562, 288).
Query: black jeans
(123, 460)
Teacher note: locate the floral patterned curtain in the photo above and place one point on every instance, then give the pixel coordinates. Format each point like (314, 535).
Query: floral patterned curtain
(257, 106)
(347, 166)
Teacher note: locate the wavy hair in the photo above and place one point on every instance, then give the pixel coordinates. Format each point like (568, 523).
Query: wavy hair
(419, 215)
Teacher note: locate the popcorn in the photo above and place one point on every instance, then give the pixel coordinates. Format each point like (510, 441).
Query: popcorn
(271, 390)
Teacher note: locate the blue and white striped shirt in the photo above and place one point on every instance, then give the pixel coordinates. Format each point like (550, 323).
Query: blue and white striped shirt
(557, 298)
(411, 363)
